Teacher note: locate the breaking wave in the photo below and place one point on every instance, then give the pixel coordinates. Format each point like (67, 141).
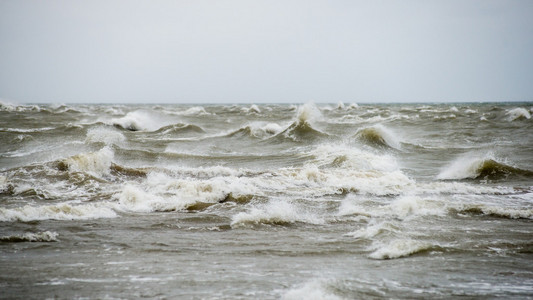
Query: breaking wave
(62, 211)
(180, 128)
(302, 127)
(482, 168)
(378, 136)
(104, 135)
(518, 114)
(257, 130)
(495, 211)
(312, 290)
(97, 163)
(275, 213)
(45, 236)
(401, 248)
(142, 120)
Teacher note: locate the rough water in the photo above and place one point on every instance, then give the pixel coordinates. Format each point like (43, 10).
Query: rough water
(309, 201)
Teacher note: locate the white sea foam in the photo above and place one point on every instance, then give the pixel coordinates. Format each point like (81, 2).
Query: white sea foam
(104, 135)
(252, 109)
(373, 230)
(262, 129)
(316, 289)
(399, 248)
(464, 167)
(4, 184)
(143, 120)
(275, 212)
(11, 107)
(518, 113)
(194, 111)
(353, 158)
(45, 236)
(308, 113)
(498, 211)
(160, 192)
(379, 134)
(61, 211)
(403, 207)
(97, 163)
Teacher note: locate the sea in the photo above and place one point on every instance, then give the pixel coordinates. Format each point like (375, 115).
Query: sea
(266, 201)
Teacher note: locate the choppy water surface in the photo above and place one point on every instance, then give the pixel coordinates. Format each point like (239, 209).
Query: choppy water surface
(266, 201)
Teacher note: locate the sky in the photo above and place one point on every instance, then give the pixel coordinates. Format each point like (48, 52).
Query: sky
(203, 51)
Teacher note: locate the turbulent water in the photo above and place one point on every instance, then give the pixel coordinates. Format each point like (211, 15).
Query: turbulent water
(266, 201)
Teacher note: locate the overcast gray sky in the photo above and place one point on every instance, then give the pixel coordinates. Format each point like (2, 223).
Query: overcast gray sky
(266, 51)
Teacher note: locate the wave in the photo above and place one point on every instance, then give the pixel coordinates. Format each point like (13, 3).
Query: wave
(378, 136)
(163, 192)
(61, 211)
(314, 289)
(518, 113)
(194, 111)
(371, 231)
(302, 127)
(495, 211)
(142, 120)
(11, 107)
(485, 168)
(45, 236)
(257, 130)
(98, 163)
(401, 248)
(104, 135)
(180, 128)
(275, 213)
(254, 109)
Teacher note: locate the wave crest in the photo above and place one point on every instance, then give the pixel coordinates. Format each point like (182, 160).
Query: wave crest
(98, 163)
(378, 136)
(518, 113)
(481, 168)
(400, 248)
(45, 236)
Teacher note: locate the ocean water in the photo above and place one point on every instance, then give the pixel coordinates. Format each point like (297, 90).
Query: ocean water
(308, 201)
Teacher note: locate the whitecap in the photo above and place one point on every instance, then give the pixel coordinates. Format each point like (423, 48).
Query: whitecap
(400, 248)
(45, 236)
(315, 289)
(142, 120)
(518, 113)
(104, 135)
(97, 163)
(61, 211)
(275, 212)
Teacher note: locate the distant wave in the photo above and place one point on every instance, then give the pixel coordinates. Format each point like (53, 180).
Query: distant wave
(180, 128)
(142, 120)
(257, 130)
(518, 113)
(11, 107)
(302, 127)
(378, 136)
(482, 168)
(253, 109)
